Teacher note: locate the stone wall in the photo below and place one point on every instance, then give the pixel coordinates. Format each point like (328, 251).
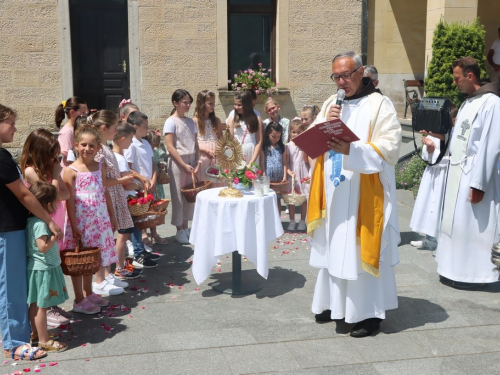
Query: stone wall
(30, 65)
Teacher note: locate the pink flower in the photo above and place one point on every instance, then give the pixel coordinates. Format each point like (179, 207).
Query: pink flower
(246, 71)
(257, 92)
(269, 70)
(259, 64)
(236, 76)
(259, 172)
(250, 175)
(226, 170)
(243, 85)
(256, 80)
(236, 180)
(228, 81)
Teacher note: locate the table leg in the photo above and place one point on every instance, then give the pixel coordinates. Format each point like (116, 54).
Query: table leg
(235, 284)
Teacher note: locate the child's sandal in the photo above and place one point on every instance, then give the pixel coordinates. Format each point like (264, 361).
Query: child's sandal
(34, 353)
(53, 346)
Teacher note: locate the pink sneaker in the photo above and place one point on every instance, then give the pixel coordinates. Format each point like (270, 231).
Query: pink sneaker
(55, 319)
(96, 300)
(86, 307)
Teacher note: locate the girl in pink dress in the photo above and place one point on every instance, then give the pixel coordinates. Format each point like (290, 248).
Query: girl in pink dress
(90, 216)
(209, 131)
(39, 163)
(298, 168)
(71, 109)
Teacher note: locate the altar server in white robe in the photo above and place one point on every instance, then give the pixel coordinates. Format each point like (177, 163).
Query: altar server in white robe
(426, 217)
(470, 214)
(352, 214)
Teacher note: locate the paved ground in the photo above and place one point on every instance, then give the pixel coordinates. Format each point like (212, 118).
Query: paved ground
(177, 327)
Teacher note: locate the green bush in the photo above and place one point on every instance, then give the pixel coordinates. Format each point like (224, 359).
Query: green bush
(450, 42)
(409, 173)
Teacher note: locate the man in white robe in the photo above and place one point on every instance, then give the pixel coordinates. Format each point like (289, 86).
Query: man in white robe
(470, 214)
(352, 213)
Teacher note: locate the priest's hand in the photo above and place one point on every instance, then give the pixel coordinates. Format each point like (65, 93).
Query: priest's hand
(333, 113)
(476, 195)
(439, 136)
(431, 146)
(340, 146)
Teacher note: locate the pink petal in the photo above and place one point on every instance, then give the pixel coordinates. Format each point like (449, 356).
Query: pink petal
(42, 364)
(142, 307)
(196, 288)
(180, 287)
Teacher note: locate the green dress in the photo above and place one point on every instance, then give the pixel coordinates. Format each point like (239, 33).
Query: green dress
(46, 285)
(158, 155)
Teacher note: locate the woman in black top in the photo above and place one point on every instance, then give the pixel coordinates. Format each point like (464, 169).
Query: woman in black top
(15, 202)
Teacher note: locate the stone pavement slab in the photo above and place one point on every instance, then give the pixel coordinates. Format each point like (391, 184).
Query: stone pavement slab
(167, 324)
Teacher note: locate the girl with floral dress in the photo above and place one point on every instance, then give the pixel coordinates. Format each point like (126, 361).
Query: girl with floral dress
(46, 285)
(90, 216)
(246, 127)
(209, 131)
(106, 123)
(273, 155)
(299, 169)
(39, 163)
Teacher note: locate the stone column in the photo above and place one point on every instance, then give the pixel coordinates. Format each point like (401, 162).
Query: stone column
(464, 11)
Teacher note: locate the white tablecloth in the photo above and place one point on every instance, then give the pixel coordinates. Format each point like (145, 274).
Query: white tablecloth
(223, 225)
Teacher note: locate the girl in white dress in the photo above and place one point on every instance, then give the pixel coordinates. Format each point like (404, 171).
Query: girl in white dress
(246, 127)
(209, 131)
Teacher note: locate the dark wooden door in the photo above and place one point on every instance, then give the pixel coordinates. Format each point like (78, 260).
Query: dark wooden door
(99, 49)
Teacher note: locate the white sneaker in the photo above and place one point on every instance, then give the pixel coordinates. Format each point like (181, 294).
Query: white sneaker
(149, 249)
(188, 232)
(116, 282)
(106, 289)
(292, 225)
(302, 225)
(130, 248)
(424, 245)
(181, 237)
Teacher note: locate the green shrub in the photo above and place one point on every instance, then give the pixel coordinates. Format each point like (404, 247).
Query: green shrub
(409, 173)
(450, 42)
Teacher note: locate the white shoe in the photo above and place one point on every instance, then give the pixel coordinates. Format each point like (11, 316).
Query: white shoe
(130, 248)
(181, 237)
(302, 225)
(188, 232)
(424, 245)
(106, 289)
(149, 249)
(292, 225)
(116, 282)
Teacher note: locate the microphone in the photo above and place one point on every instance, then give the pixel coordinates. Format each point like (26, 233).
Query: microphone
(340, 97)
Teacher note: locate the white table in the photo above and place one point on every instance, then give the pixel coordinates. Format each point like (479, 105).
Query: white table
(242, 226)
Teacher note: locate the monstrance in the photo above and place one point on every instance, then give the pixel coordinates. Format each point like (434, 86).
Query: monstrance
(229, 155)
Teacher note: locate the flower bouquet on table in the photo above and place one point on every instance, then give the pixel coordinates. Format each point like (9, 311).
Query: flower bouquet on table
(139, 205)
(242, 178)
(258, 80)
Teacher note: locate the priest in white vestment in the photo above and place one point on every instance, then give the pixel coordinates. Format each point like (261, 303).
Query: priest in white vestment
(470, 213)
(352, 213)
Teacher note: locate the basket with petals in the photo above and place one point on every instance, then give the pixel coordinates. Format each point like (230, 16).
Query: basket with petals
(163, 177)
(294, 198)
(139, 205)
(213, 174)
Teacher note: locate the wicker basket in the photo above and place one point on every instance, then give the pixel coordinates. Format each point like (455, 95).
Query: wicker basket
(139, 209)
(190, 191)
(163, 177)
(160, 205)
(150, 220)
(80, 261)
(293, 198)
(279, 187)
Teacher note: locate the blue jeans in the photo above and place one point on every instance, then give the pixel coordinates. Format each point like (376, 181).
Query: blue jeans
(14, 320)
(137, 242)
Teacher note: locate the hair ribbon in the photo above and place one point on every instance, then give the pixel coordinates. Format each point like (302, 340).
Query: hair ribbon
(123, 102)
(63, 103)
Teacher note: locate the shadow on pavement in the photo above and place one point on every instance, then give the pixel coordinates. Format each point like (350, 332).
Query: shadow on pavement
(407, 237)
(279, 281)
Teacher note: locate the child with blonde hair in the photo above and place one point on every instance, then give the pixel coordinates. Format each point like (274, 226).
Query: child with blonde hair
(209, 131)
(125, 108)
(273, 111)
(299, 169)
(308, 114)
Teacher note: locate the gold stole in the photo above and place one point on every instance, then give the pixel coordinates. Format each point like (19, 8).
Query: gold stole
(370, 223)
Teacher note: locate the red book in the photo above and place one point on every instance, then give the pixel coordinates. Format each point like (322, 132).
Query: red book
(313, 140)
